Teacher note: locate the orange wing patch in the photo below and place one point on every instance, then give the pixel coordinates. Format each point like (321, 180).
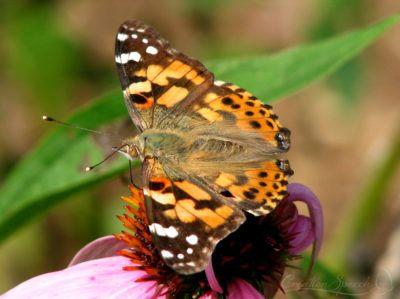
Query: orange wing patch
(257, 191)
(160, 190)
(153, 71)
(249, 113)
(139, 93)
(208, 216)
(172, 96)
(181, 198)
(174, 83)
(176, 70)
(193, 190)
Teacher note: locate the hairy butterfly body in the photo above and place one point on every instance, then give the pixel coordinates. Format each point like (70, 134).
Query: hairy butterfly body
(209, 149)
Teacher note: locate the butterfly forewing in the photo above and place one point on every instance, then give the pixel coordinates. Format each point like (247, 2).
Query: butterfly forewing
(156, 79)
(186, 220)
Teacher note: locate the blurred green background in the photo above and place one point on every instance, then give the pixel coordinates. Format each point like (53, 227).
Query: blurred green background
(58, 55)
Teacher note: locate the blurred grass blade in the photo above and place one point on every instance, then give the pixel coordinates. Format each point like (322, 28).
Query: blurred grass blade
(55, 167)
(325, 283)
(367, 209)
(273, 76)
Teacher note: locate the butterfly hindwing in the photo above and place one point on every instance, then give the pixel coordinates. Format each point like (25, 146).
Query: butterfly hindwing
(233, 106)
(186, 220)
(258, 186)
(256, 190)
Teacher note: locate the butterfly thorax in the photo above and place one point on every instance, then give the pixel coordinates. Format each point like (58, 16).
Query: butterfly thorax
(159, 144)
(197, 151)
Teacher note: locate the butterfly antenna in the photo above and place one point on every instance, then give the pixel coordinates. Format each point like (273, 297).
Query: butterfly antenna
(48, 118)
(115, 150)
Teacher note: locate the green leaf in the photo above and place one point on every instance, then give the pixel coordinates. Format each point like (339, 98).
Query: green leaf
(278, 75)
(55, 167)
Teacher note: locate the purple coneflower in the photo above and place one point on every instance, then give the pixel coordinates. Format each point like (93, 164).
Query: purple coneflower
(249, 263)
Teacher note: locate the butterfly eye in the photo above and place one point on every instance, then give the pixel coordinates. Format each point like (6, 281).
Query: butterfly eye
(128, 150)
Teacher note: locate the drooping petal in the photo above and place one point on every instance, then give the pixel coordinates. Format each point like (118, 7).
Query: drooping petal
(100, 278)
(239, 289)
(298, 192)
(212, 279)
(304, 235)
(102, 247)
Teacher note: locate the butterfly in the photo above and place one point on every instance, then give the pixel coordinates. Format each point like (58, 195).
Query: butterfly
(209, 149)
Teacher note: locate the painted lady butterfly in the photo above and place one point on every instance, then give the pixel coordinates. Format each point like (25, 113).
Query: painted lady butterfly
(209, 149)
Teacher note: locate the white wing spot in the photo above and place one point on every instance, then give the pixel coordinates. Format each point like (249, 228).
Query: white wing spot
(192, 264)
(145, 41)
(161, 231)
(158, 229)
(151, 50)
(152, 228)
(122, 36)
(171, 232)
(219, 82)
(189, 250)
(134, 35)
(167, 254)
(181, 256)
(124, 58)
(145, 190)
(135, 56)
(192, 239)
(118, 59)
(140, 30)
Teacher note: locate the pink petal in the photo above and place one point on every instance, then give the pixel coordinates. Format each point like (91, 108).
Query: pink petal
(298, 192)
(304, 235)
(212, 279)
(239, 289)
(101, 278)
(102, 247)
(209, 296)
